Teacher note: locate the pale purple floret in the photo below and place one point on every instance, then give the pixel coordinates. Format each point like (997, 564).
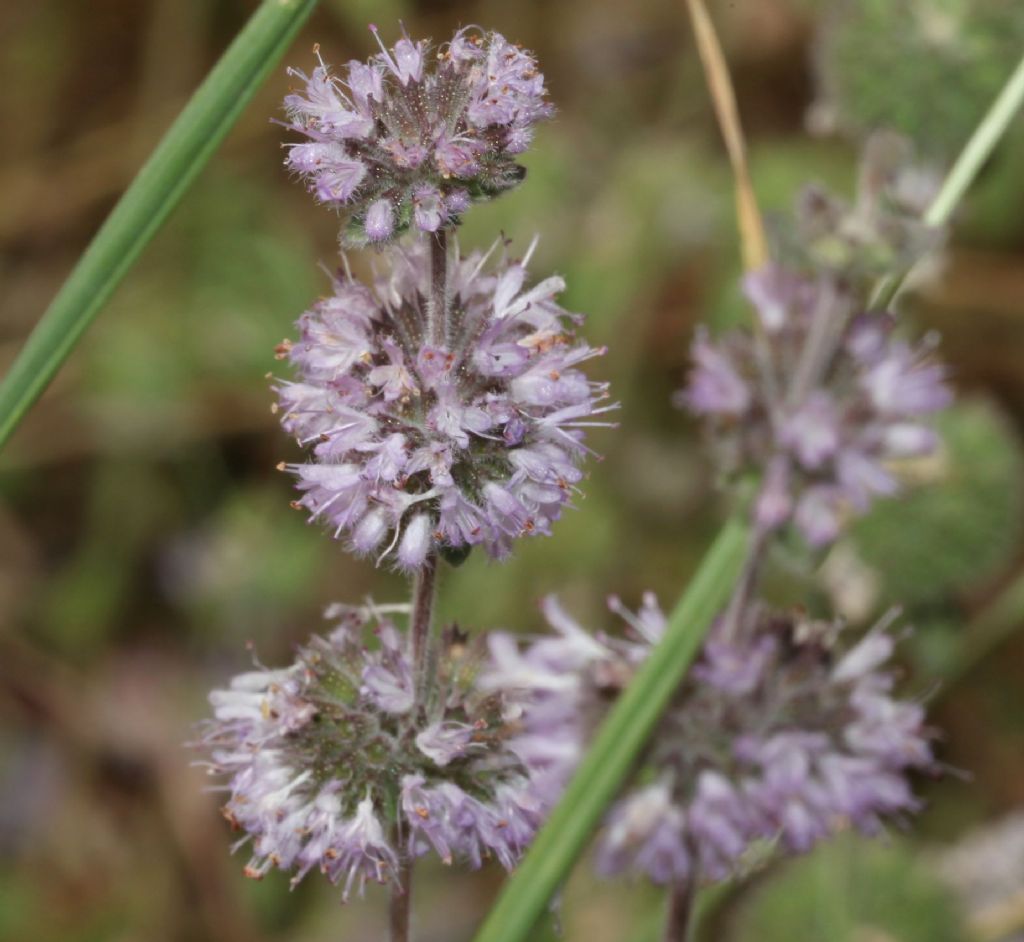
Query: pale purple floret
(419, 447)
(407, 136)
(715, 386)
(818, 401)
(313, 756)
(775, 734)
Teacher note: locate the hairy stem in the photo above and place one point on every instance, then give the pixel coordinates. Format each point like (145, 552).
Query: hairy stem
(400, 909)
(437, 303)
(422, 617)
(679, 918)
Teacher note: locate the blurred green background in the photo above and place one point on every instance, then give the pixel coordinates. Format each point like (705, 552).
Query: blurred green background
(145, 538)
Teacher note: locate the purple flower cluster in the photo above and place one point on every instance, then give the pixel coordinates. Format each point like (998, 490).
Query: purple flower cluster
(334, 762)
(421, 446)
(776, 735)
(409, 139)
(821, 397)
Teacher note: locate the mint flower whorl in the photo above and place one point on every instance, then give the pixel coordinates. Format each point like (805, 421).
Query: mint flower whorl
(419, 447)
(410, 140)
(332, 763)
(781, 735)
(822, 399)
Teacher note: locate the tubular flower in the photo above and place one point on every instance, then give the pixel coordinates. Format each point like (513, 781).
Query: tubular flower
(823, 399)
(779, 734)
(422, 446)
(335, 763)
(413, 139)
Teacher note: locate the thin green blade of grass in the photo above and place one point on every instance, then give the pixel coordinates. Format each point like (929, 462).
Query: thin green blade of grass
(989, 132)
(617, 744)
(159, 186)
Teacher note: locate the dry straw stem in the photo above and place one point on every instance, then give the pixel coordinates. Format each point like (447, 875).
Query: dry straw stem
(748, 215)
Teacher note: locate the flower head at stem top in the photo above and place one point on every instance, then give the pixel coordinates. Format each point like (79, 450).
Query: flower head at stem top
(412, 137)
(824, 396)
(424, 445)
(784, 733)
(340, 762)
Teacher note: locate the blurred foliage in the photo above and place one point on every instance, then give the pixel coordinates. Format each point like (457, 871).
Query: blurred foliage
(959, 522)
(850, 890)
(145, 536)
(943, 62)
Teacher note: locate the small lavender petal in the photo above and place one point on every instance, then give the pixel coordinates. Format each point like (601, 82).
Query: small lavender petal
(818, 515)
(812, 432)
(774, 504)
(380, 220)
(715, 386)
(428, 208)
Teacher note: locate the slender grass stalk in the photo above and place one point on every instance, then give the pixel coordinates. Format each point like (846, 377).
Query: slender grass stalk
(615, 747)
(983, 141)
(753, 241)
(146, 204)
(995, 624)
(963, 172)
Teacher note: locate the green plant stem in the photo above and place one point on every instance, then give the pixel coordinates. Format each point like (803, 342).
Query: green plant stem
(145, 205)
(437, 304)
(995, 624)
(963, 172)
(400, 904)
(981, 144)
(679, 915)
(420, 621)
(617, 744)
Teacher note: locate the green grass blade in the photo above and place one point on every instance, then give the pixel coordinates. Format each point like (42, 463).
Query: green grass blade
(616, 745)
(155, 191)
(962, 174)
(977, 150)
